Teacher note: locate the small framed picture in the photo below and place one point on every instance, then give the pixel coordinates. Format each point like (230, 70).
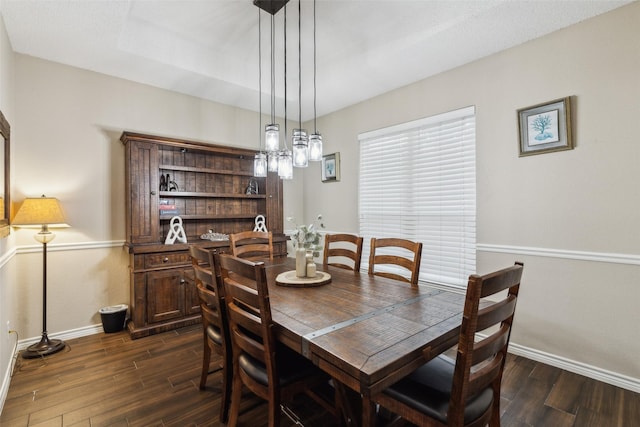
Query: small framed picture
(544, 128)
(331, 167)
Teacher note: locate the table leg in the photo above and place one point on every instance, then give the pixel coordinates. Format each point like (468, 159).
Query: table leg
(368, 412)
(350, 404)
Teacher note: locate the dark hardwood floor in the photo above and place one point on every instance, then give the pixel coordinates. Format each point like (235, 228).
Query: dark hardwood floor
(111, 380)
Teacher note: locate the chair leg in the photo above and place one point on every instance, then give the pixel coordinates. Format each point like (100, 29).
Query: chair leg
(274, 411)
(206, 359)
(236, 395)
(225, 399)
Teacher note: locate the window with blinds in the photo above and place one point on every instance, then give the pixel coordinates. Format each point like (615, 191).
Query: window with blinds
(418, 182)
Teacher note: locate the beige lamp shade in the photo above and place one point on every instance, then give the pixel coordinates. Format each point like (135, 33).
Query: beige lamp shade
(40, 211)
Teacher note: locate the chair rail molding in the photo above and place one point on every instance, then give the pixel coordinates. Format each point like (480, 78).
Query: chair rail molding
(612, 258)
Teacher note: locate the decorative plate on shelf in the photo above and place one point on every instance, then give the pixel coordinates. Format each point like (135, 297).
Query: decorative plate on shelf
(214, 236)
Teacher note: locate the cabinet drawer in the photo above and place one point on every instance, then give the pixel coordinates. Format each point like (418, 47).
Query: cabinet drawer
(166, 260)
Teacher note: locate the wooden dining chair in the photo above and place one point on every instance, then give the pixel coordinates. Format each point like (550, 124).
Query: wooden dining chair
(252, 244)
(465, 391)
(391, 251)
(270, 370)
(343, 246)
(215, 327)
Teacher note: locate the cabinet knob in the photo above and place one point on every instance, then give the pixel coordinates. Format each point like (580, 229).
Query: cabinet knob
(182, 281)
(153, 192)
(165, 260)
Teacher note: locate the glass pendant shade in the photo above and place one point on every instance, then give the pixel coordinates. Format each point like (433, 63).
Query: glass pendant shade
(272, 161)
(285, 165)
(260, 165)
(272, 137)
(300, 148)
(315, 147)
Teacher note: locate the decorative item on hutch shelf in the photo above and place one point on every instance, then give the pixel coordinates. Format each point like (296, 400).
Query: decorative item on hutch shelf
(306, 239)
(214, 237)
(176, 232)
(261, 224)
(252, 188)
(167, 207)
(166, 184)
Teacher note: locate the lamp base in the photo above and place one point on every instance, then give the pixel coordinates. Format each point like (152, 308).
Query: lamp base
(45, 347)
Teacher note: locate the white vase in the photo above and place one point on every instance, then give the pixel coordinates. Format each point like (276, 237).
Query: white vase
(301, 262)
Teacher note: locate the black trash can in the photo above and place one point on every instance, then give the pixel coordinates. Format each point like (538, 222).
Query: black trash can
(113, 317)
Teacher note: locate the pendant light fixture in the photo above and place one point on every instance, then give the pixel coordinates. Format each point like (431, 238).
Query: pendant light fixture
(299, 139)
(303, 148)
(260, 159)
(315, 140)
(272, 130)
(285, 160)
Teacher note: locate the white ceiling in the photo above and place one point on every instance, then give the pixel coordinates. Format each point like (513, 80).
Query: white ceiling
(209, 48)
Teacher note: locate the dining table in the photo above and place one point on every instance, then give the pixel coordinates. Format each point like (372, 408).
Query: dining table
(365, 331)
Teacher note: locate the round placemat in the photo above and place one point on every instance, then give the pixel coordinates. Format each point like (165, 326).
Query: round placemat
(289, 278)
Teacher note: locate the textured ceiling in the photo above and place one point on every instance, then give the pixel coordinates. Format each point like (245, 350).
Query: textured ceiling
(209, 48)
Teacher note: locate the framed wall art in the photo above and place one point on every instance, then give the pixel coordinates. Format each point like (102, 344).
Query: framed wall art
(331, 167)
(546, 127)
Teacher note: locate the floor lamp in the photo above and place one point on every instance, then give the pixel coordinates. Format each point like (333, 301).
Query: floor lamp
(44, 212)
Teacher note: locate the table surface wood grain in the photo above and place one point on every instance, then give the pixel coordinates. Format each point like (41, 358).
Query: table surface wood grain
(365, 331)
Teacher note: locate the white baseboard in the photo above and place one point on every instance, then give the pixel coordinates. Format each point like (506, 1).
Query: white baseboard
(65, 335)
(593, 372)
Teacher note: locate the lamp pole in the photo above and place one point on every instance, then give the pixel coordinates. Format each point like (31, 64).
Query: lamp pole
(46, 345)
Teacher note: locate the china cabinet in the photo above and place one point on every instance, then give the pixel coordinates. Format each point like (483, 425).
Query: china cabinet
(212, 189)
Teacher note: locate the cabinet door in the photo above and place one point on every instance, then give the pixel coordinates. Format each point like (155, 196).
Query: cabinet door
(144, 224)
(165, 295)
(274, 203)
(191, 299)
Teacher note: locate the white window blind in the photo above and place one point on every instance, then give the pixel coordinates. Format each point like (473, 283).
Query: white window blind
(418, 182)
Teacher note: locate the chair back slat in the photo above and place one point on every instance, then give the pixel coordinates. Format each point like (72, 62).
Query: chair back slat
(252, 244)
(496, 313)
(480, 364)
(489, 346)
(377, 256)
(343, 245)
(248, 308)
(499, 281)
(485, 376)
(211, 301)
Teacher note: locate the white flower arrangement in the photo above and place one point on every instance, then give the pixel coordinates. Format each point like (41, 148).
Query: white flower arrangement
(308, 236)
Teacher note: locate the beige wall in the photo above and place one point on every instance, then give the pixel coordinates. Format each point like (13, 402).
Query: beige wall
(545, 210)
(66, 123)
(66, 145)
(7, 268)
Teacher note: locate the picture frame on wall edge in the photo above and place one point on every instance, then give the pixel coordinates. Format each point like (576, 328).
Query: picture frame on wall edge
(331, 167)
(546, 127)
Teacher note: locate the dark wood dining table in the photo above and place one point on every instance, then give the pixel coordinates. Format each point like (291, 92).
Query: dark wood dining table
(367, 332)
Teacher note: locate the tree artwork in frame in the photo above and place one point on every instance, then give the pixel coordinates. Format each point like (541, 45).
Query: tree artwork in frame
(331, 167)
(545, 127)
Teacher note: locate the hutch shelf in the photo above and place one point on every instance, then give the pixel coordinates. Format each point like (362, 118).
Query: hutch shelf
(211, 188)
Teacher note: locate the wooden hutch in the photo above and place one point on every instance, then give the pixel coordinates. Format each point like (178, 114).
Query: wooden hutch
(206, 186)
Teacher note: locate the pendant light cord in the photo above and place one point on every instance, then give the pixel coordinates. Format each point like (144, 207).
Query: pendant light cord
(315, 126)
(299, 66)
(285, 77)
(273, 73)
(260, 81)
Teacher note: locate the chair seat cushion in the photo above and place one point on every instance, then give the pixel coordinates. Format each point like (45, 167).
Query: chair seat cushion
(428, 389)
(291, 367)
(214, 334)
